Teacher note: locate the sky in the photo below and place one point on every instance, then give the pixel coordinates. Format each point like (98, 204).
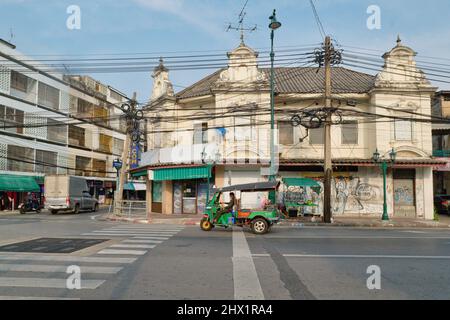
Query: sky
(177, 26)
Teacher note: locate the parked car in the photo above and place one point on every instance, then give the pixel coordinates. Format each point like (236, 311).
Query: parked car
(442, 204)
(68, 194)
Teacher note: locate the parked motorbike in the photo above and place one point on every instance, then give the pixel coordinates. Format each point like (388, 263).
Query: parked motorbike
(29, 207)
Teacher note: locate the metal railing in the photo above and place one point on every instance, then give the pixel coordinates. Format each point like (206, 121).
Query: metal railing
(128, 208)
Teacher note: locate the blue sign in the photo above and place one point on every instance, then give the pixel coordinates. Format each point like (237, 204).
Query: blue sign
(135, 154)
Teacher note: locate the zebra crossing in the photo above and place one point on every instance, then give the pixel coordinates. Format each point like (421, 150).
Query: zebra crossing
(21, 274)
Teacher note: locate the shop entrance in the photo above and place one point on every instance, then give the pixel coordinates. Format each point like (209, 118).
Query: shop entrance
(404, 193)
(189, 196)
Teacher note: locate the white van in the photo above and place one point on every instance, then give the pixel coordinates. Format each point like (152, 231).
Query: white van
(68, 193)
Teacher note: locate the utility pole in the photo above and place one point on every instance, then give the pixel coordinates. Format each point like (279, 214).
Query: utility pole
(125, 160)
(328, 168)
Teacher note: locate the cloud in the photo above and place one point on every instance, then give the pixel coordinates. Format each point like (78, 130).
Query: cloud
(188, 13)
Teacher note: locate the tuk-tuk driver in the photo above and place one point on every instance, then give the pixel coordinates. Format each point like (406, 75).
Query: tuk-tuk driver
(228, 208)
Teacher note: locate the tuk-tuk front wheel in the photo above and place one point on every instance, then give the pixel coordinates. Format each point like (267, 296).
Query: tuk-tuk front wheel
(206, 225)
(260, 226)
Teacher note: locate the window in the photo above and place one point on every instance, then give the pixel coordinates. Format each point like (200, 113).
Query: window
(286, 133)
(115, 95)
(46, 161)
(99, 168)
(11, 120)
(105, 143)
(20, 159)
(201, 133)
(48, 96)
(83, 166)
(349, 132)
(118, 146)
(76, 136)
(56, 131)
(84, 108)
(403, 130)
(19, 81)
(316, 136)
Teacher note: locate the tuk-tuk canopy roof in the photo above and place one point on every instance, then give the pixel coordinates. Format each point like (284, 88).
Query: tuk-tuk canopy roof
(300, 182)
(256, 186)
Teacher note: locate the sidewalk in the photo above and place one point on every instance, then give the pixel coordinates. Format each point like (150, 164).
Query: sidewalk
(155, 218)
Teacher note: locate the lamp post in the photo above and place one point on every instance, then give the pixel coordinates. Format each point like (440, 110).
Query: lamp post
(210, 163)
(384, 165)
(117, 164)
(274, 24)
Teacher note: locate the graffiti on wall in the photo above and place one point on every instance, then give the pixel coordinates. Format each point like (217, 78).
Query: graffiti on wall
(349, 195)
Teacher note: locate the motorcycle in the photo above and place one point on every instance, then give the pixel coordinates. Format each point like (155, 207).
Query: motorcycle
(29, 207)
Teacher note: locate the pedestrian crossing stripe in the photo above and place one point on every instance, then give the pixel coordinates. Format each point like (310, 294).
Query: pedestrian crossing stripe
(133, 246)
(125, 235)
(142, 241)
(123, 252)
(55, 258)
(55, 269)
(46, 283)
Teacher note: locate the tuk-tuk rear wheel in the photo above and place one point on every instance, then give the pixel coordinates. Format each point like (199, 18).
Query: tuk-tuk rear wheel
(260, 226)
(206, 225)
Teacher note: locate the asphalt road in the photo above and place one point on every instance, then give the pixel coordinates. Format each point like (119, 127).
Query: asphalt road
(131, 261)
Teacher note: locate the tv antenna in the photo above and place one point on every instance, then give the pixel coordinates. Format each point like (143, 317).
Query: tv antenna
(11, 34)
(241, 27)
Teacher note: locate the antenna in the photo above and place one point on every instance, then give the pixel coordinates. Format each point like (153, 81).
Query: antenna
(11, 34)
(240, 26)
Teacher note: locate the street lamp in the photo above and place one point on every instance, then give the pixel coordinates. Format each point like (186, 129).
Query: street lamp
(274, 24)
(117, 164)
(384, 165)
(210, 163)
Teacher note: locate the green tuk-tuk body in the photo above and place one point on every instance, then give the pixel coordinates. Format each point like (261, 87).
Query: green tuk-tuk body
(259, 220)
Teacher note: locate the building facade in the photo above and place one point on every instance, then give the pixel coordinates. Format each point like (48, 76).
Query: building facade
(55, 124)
(222, 123)
(441, 142)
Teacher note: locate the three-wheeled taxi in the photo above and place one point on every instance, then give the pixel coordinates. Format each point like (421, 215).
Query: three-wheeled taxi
(260, 220)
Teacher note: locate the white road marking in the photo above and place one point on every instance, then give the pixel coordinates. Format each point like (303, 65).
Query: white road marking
(16, 257)
(95, 216)
(355, 237)
(354, 256)
(133, 246)
(245, 278)
(142, 241)
(124, 234)
(141, 234)
(34, 298)
(49, 268)
(124, 252)
(46, 283)
(151, 238)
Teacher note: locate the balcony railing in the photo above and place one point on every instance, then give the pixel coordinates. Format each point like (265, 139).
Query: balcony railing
(441, 153)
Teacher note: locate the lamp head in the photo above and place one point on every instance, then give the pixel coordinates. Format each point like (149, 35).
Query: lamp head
(393, 155)
(274, 24)
(376, 156)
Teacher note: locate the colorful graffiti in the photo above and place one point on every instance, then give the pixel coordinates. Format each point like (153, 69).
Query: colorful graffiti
(350, 194)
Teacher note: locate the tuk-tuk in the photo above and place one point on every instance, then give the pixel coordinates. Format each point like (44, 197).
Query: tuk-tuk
(259, 220)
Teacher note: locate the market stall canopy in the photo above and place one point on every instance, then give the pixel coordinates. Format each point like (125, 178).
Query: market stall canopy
(300, 182)
(18, 183)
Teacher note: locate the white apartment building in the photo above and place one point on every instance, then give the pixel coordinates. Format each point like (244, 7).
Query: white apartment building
(55, 124)
(236, 135)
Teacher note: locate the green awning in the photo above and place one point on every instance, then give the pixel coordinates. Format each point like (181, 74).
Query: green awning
(182, 173)
(18, 183)
(140, 173)
(300, 182)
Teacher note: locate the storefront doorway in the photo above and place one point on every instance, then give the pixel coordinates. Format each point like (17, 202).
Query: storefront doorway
(404, 193)
(189, 196)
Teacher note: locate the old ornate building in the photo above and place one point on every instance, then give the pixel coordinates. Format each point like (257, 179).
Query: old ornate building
(219, 128)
